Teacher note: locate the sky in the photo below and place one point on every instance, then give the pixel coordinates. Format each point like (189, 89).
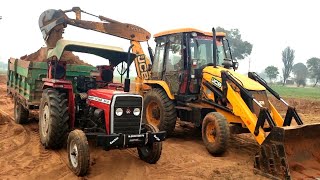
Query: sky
(270, 25)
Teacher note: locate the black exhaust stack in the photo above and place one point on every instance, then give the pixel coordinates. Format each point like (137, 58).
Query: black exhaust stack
(127, 80)
(214, 47)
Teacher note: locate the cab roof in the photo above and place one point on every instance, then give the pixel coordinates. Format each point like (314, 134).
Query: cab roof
(114, 54)
(182, 30)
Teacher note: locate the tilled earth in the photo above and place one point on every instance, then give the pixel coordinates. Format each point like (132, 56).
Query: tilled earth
(183, 157)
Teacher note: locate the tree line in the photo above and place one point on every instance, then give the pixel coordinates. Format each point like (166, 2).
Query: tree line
(300, 71)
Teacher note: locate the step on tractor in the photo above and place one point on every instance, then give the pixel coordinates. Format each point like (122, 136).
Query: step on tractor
(192, 76)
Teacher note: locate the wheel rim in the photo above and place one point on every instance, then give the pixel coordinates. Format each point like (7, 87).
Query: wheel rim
(73, 154)
(153, 113)
(211, 132)
(45, 120)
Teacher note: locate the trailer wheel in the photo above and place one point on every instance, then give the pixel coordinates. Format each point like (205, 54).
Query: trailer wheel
(215, 133)
(150, 152)
(53, 118)
(21, 114)
(78, 152)
(159, 110)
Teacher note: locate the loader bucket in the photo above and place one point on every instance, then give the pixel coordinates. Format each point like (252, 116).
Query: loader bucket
(291, 152)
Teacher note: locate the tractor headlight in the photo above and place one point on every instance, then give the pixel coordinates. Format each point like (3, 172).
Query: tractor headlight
(119, 111)
(136, 111)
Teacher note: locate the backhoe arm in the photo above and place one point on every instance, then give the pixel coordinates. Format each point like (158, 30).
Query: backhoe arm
(51, 18)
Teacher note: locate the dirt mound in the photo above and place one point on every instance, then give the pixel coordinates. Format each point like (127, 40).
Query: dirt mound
(41, 56)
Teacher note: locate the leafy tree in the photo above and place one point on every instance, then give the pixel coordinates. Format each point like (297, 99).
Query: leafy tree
(239, 48)
(287, 59)
(272, 72)
(314, 69)
(300, 72)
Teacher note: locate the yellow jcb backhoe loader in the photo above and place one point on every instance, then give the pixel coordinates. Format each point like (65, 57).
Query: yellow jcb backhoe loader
(192, 77)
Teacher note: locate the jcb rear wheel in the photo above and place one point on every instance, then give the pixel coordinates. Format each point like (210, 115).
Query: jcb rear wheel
(215, 133)
(78, 152)
(150, 153)
(20, 113)
(53, 118)
(159, 110)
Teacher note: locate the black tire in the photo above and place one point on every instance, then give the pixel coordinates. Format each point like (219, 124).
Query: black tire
(78, 152)
(21, 114)
(150, 153)
(53, 118)
(159, 110)
(215, 133)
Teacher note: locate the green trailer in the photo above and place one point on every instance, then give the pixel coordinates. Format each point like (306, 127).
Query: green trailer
(24, 83)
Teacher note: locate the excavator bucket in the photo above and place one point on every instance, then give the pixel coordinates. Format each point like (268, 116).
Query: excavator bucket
(291, 152)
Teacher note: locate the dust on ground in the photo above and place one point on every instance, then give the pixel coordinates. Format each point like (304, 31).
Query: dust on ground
(183, 157)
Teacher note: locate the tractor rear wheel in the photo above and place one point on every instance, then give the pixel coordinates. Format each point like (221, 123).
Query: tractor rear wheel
(78, 152)
(150, 152)
(20, 113)
(159, 110)
(53, 118)
(215, 133)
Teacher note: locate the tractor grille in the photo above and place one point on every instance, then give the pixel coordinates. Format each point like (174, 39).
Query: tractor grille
(128, 123)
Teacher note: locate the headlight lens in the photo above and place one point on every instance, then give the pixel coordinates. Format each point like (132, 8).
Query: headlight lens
(119, 111)
(136, 111)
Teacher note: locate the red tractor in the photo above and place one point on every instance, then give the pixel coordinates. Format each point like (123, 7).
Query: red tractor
(94, 108)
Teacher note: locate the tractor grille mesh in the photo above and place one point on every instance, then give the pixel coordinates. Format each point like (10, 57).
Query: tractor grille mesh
(128, 123)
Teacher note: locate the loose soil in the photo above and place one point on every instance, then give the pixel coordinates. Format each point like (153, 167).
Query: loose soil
(183, 157)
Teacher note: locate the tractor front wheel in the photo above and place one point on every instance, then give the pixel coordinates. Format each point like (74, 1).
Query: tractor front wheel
(150, 152)
(159, 110)
(53, 118)
(78, 152)
(215, 133)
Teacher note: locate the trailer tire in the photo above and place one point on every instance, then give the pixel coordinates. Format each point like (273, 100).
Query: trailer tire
(159, 110)
(53, 118)
(150, 153)
(21, 114)
(215, 133)
(78, 152)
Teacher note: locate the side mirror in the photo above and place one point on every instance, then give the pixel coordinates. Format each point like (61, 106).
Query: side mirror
(235, 65)
(227, 63)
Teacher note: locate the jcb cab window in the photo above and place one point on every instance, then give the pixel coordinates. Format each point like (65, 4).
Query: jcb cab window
(158, 58)
(174, 53)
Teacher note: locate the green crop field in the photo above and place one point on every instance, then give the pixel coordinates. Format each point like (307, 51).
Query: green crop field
(298, 92)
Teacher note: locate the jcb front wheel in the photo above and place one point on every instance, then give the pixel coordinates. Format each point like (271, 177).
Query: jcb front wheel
(215, 133)
(78, 152)
(159, 110)
(150, 152)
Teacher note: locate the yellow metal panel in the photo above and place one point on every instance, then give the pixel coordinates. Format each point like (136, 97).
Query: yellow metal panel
(182, 30)
(163, 84)
(241, 109)
(276, 116)
(246, 82)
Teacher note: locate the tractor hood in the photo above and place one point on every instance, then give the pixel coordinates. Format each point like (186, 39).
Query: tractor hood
(210, 73)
